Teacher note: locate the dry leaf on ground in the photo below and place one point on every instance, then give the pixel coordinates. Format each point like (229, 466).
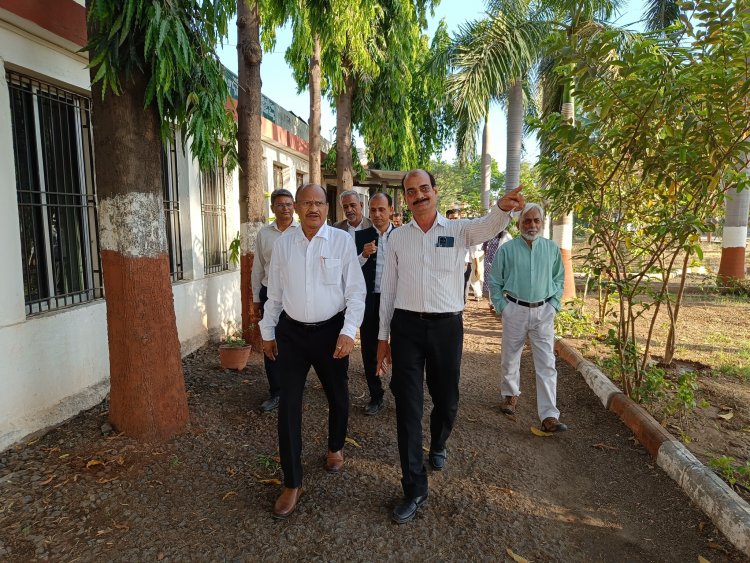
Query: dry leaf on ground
(517, 558)
(603, 446)
(269, 481)
(353, 442)
(93, 462)
(228, 495)
(536, 432)
(726, 415)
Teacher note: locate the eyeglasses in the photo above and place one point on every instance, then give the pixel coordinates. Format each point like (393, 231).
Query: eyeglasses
(311, 203)
(411, 192)
(284, 205)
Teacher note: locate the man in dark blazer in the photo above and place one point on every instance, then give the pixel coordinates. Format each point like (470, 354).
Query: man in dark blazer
(371, 244)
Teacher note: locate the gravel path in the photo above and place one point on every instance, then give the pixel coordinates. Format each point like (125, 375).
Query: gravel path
(591, 494)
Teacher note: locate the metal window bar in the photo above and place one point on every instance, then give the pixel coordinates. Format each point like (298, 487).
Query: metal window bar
(172, 208)
(213, 211)
(56, 193)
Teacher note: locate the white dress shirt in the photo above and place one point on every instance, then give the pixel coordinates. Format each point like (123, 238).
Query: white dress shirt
(424, 272)
(379, 255)
(353, 230)
(313, 280)
(262, 259)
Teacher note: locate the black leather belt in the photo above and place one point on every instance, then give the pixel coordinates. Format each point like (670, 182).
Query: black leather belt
(428, 316)
(526, 303)
(337, 317)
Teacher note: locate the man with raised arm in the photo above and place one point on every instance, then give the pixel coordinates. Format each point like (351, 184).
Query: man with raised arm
(421, 325)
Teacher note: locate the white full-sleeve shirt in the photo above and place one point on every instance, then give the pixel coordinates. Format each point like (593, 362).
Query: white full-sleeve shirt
(313, 280)
(262, 259)
(424, 272)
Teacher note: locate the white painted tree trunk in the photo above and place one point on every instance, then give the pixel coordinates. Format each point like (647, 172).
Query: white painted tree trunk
(734, 240)
(562, 227)
(515, 136)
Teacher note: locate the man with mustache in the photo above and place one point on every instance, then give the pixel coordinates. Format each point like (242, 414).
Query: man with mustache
(526, 285)
(421, 302)
(371, 246)
(282, 205)
(353, 210)
(316, 299)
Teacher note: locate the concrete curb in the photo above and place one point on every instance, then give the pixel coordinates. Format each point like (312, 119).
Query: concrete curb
(727, 510)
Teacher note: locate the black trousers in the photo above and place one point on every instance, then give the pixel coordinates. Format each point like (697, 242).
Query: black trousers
(272, 372)
(467, 277)
(368, 334)
(299, 348)
(419, 346)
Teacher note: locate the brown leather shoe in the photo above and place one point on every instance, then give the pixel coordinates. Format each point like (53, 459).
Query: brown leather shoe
(508, 406)
(334, 461)
(551, 424)
(287, 502)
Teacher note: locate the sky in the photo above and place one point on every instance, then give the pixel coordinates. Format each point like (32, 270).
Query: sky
(279, 85)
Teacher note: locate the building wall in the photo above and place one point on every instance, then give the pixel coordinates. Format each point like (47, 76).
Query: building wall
(56, 364)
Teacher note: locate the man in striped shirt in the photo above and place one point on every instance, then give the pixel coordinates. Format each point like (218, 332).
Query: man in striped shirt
(421, 302)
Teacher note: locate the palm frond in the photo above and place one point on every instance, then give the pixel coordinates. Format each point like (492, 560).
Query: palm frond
(660, 14)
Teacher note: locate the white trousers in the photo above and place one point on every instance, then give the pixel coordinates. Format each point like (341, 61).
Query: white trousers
(539, 325)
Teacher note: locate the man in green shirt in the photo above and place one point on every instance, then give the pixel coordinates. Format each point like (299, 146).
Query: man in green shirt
(526, 285)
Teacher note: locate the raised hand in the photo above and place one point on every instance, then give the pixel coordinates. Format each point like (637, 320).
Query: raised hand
(512, 201)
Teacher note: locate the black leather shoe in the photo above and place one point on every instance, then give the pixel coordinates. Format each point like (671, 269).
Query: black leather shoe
(406, 511)
(374, 407)
(270, 404)
(437, 459)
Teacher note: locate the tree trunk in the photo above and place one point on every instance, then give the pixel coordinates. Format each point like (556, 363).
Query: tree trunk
(562, 227)
(486, 160)
(147, 387)
(314, 145)
(344, 170)
(732, 265)
(514, 136)
(250, 151)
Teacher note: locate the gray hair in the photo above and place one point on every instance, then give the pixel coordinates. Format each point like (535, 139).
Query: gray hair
(528, 207)
(347, 193)
(281, 192)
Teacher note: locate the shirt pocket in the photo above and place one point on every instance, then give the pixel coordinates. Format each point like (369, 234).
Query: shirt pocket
(331, 271)
(444, 259)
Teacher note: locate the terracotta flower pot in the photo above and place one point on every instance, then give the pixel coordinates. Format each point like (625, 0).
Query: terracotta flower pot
(234, 357)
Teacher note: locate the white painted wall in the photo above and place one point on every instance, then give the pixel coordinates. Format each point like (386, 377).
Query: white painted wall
(56, 364)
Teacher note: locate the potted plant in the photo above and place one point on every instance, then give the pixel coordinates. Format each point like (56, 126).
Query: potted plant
(234, 351)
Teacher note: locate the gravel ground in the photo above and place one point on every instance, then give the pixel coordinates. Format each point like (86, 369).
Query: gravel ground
(591, 494)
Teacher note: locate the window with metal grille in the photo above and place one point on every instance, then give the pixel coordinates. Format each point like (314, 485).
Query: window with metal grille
(300, 179)
(213, 209)
(172, 207)
(52, 148)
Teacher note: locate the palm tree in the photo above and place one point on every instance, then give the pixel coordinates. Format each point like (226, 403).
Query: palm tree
(495, 57)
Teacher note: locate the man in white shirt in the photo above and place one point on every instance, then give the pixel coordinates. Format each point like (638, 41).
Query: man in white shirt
(316, 299)
(421, 302)
(352, 207)
(282, 205)
(371, 247)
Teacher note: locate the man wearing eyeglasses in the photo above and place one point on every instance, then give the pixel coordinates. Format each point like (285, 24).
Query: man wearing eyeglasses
(316, 301)
(371, 246)
(282, 205)
(421, 301)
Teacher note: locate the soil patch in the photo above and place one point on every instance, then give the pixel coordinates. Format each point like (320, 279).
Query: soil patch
(591, 494)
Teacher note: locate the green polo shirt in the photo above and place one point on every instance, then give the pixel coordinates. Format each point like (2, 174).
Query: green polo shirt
(529, 274)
